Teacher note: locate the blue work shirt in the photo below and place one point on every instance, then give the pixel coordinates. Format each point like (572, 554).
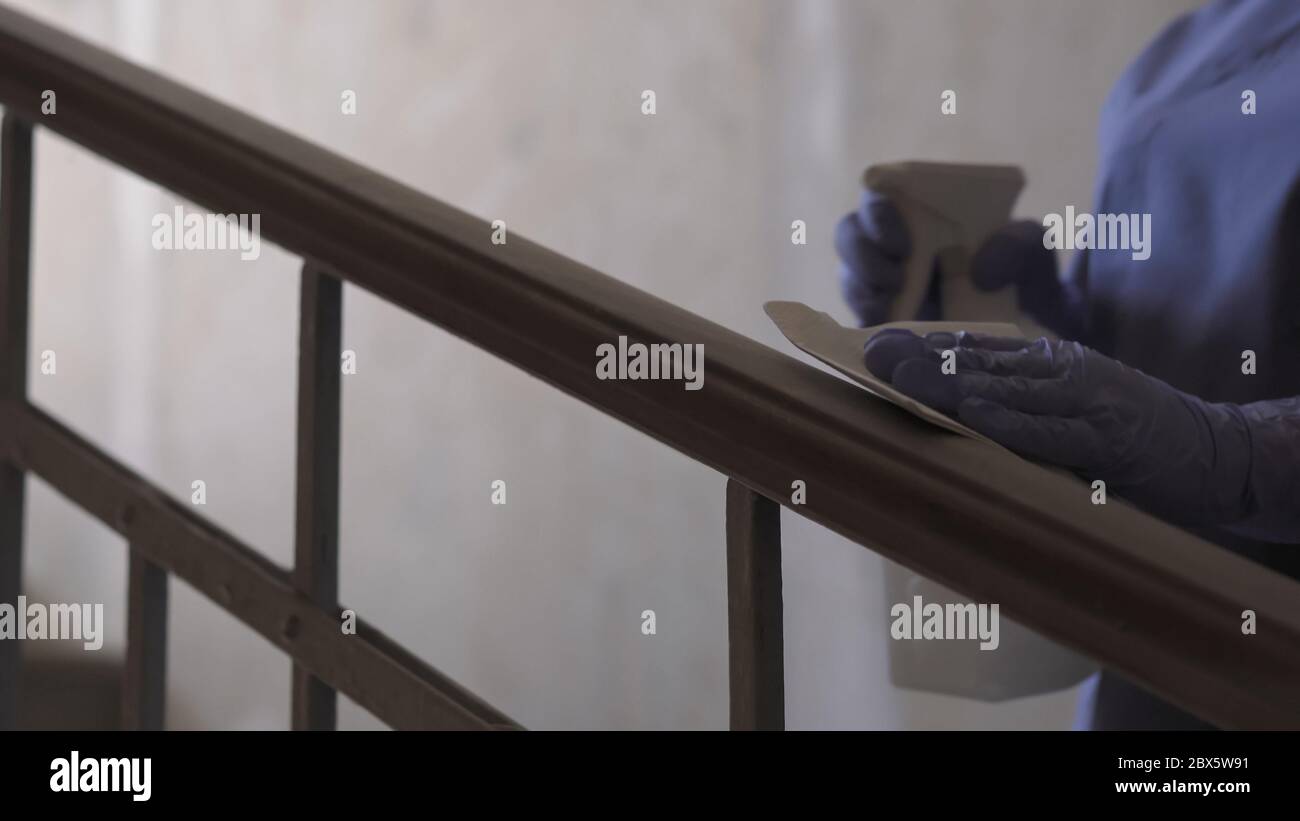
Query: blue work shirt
(1223, 190)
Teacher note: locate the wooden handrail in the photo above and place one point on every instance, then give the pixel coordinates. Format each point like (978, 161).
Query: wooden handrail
(1141, 596)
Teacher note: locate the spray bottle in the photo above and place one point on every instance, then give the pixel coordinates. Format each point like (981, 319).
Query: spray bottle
(950, 210)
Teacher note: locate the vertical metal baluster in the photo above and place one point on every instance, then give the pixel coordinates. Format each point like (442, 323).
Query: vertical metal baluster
(316, 554)
(754, 613)
(15, 259)
(144, 687)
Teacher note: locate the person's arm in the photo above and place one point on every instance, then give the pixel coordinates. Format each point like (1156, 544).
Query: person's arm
(1273, 496)
(1187, 460)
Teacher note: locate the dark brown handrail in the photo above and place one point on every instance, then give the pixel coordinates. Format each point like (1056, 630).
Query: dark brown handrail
(1143, 597)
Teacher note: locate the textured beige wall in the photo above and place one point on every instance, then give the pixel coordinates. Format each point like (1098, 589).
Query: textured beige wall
(184, 364)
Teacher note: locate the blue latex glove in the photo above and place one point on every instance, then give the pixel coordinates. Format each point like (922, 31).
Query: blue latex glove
(873, 244)
(1188, 460)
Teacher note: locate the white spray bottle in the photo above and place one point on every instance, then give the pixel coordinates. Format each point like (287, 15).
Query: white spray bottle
(950, 209)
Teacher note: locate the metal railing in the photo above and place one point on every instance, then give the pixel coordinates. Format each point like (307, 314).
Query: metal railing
(1142, 597)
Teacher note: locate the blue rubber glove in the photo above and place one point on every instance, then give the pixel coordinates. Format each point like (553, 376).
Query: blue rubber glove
(1179, 457)
(873, 243)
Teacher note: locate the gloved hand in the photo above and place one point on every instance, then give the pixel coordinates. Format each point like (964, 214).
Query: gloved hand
(873, 243)
(1178, 456)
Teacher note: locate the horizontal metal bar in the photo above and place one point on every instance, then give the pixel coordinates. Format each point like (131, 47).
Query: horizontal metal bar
(1145, 598)
(381, 677)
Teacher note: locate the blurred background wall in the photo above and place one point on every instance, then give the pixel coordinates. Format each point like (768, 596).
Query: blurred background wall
(183, 365)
